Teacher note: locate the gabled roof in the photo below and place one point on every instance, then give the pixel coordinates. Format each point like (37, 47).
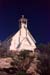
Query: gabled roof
(9, 37)
(22, 42)
(29, 39)
(25, 44)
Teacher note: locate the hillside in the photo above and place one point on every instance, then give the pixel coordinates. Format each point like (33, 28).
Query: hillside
(25, 62)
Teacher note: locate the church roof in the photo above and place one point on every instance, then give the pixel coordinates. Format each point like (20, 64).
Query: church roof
(9, 37)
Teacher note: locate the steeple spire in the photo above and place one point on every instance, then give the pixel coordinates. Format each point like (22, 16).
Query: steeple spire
(23, 21)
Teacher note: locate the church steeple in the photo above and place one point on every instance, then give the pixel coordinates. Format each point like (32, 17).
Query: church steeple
(23, 28)
(23, 22)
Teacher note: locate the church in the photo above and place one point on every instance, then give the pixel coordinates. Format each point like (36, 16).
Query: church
(22, 39)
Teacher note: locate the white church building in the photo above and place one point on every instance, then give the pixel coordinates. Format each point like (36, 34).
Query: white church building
(22, 39)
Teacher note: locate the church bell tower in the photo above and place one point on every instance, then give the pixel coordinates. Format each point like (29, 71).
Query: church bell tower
(23, 28)
(23, 22)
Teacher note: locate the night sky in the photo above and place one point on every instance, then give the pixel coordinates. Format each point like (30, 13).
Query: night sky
(36, 11)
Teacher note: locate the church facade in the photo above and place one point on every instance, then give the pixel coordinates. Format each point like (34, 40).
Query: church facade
(22, 39)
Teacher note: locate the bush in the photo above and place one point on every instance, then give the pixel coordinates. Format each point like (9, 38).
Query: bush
(21, 73)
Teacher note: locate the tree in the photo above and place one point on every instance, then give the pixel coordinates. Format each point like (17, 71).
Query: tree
(3, 51)
(45, 58)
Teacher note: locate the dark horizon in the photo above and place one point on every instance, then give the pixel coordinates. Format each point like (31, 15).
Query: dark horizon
(37, 13)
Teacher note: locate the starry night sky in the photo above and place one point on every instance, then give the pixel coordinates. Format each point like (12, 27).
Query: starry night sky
(36, 11)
